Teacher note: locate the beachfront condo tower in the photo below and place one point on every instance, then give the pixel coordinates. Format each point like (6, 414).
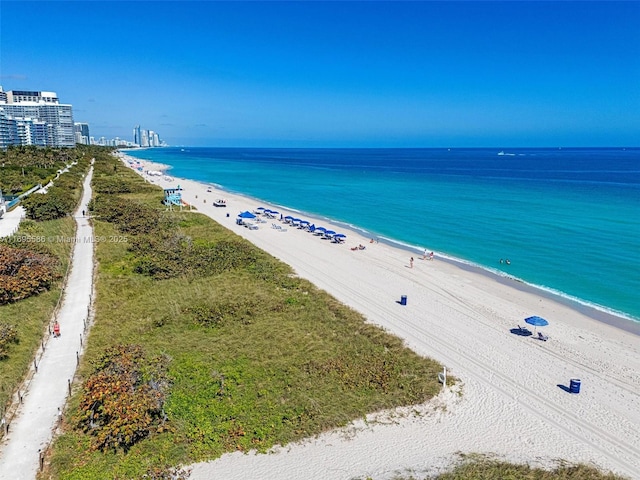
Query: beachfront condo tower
(35, 118)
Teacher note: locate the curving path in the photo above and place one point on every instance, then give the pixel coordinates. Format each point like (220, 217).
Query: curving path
(10, 221)
(32, 428)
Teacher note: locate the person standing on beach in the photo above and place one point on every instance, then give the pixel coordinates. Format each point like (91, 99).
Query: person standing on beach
(411, 262)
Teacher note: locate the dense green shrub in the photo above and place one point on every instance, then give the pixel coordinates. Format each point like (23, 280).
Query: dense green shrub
(58, 202)
(111, 185)
(8, 334)
(164, 255)
(24, 273)
(122, 400)
(129, 216)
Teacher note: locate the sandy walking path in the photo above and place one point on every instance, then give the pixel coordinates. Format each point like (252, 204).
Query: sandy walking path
(10, 221)
(32, 428)
(515, 401)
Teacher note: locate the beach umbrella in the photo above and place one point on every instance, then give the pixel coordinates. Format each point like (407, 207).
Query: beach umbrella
(339, 237)
(536, 321)
(273, 212)
(246, 214)
(329, 233)
(262, 208)
(319, 230)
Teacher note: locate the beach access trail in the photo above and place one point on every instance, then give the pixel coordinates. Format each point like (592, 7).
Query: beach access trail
(10, 221)
(32, 428)
(513, 397)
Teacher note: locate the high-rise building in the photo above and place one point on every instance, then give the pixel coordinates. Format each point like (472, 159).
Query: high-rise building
(35, 118)
(136, 135)
(81, 131)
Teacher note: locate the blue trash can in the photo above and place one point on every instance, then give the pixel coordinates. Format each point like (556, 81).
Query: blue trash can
(403, 300)
(574, 385)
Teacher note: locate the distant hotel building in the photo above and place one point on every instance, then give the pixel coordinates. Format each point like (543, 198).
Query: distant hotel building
(35, 118)
(146, 138)
(81, 132)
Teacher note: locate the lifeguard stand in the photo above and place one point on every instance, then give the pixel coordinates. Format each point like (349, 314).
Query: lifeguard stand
(172, 196)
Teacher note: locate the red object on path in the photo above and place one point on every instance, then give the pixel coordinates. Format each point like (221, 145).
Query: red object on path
(56, 329)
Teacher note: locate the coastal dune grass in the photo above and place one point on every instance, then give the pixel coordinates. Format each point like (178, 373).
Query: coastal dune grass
(481, 467)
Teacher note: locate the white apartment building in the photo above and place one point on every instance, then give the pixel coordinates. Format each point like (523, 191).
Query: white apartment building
(35, 118)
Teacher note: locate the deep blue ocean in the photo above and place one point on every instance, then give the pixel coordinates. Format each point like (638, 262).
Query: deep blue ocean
(567, 219)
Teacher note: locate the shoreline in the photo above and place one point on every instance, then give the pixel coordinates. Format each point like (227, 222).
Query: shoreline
(513, 400)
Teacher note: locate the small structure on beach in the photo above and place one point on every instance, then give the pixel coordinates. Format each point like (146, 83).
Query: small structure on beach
(172, 196)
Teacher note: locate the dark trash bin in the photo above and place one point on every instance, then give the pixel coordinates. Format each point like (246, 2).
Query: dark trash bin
(574, 385)
(403, 300)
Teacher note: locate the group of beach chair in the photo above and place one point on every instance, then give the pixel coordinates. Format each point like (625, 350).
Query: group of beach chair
(280, 228)
(526, 331)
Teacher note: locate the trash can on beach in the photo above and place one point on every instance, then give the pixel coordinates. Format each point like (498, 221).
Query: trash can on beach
(403, 300)
(574, 385)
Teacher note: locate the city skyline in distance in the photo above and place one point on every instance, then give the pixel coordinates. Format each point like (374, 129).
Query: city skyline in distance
(355, 74)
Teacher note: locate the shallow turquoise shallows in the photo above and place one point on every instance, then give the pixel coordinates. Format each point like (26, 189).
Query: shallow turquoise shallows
(568, 220)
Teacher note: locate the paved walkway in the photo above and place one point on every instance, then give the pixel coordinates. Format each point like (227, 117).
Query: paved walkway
(10, 221)
(32, 428)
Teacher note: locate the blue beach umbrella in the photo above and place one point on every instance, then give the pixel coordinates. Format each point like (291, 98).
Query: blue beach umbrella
(536, 321)
(339, 237)
(246, 214)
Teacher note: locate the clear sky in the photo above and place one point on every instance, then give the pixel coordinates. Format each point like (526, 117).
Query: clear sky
(335, 74)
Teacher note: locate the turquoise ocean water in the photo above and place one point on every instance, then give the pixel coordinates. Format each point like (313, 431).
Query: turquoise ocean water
(568, 219)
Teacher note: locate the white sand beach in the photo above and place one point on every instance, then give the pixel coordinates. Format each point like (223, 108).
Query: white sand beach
(512, 400)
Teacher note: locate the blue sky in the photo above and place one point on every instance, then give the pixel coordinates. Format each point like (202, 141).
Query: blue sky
(350, 74)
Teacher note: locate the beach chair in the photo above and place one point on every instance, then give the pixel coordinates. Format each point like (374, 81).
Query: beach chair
(542, 337)
(524, 330)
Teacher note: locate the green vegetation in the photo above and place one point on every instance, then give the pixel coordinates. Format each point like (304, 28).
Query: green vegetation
(24, 273)
(33, 261)
(477, 467)
(22, 167)
(29, 316)
(250, 355)
(62, 198)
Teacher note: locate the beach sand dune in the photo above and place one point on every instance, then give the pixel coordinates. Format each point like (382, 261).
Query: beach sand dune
(512, 399)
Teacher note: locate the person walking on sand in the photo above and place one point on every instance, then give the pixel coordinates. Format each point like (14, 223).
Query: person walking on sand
(424, 256)
(56, 329)
(411, 262)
